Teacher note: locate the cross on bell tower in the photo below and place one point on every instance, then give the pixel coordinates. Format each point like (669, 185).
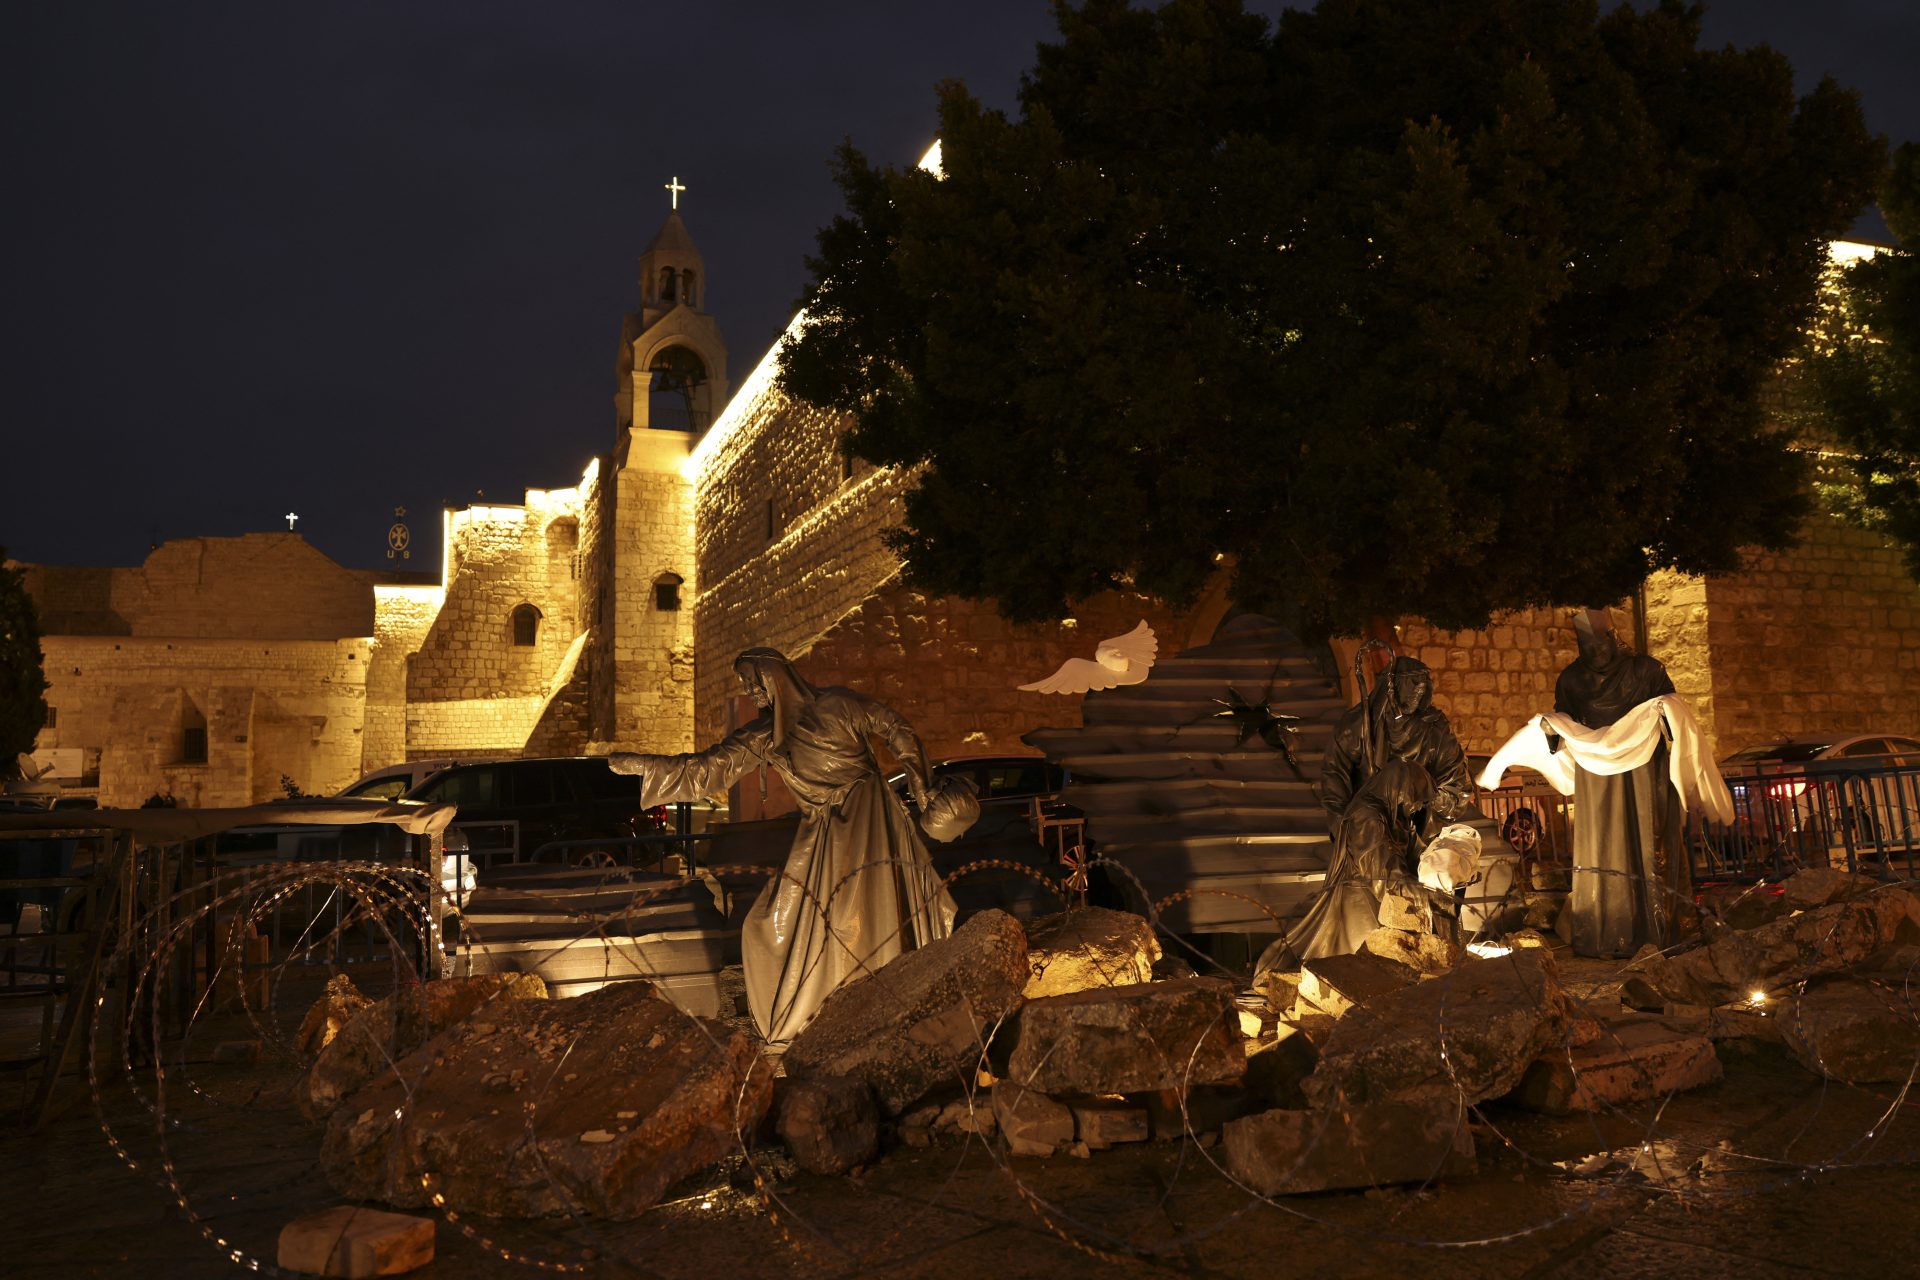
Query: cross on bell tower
(673, 365)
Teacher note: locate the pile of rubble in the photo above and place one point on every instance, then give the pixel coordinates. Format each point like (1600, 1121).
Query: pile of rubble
(1068, 1038)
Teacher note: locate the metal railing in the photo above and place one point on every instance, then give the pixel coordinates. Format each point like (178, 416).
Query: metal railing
(1818, 815)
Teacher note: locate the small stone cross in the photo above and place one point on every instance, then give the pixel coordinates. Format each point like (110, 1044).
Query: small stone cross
(676, 188)
(291, 517)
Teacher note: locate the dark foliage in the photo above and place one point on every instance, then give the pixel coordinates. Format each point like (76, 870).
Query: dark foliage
(1398, 307)
(1861, 381)
(23, 709)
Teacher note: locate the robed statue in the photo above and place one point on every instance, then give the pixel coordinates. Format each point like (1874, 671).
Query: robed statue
(859, 888)
(1394, 776)
(1625, 745)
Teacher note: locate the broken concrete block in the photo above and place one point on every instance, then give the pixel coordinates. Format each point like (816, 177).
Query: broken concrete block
(1369, 1145)
(1853, 1030)
(1279, 989)
(1403, 906)
(829, 1123)
(1421, 952)
(533, 1108)
(1471, 1032)
(1335, 984)
(1733, 964)
(1032, 1123)
(1088, 948)
(920, 1022)
(1630, 1060)
(1102, 1123)
(385, 1031)
(354, 1242)
(1155, 1035)
(329, 1014)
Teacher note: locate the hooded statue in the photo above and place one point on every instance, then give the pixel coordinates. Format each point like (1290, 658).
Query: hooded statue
(858, 888)
(1394, 775)
(1630, 867)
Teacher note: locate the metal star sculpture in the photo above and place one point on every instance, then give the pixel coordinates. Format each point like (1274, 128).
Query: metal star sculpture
(1260, 720)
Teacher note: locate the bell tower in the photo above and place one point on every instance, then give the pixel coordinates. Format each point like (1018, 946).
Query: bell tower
(672, 363)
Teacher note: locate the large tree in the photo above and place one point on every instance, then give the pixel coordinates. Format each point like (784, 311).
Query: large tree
(23, 709)
(1396, 307)
(1860, 385)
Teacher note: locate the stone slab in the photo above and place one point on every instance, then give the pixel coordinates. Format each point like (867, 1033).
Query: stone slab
(1630, 1060)
(1150, 1036)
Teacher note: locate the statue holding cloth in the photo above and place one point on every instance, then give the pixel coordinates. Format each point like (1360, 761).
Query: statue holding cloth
(1625, 745)
(859, 888)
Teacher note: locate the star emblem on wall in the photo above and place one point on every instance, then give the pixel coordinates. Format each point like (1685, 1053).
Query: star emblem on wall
(1260, 720)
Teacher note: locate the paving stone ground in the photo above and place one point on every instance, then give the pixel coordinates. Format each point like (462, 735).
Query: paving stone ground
(1767, 1174)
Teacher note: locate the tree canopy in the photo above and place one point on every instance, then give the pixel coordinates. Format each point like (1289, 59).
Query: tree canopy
(22, 708)
(1393, 307)
(1860, 384)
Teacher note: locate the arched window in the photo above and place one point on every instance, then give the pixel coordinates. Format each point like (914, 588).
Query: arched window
(679, 396)
(687, 294)
(526, 625)
(669, 280)
(666, 592)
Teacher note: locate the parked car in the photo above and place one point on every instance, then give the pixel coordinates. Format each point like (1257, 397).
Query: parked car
(396, 780)
(510, 809)
(1832, 793)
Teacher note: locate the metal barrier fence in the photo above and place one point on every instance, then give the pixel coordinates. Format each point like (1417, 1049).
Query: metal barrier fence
(1819, 815)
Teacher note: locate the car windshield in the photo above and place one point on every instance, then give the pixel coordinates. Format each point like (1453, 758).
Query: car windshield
(381, 788)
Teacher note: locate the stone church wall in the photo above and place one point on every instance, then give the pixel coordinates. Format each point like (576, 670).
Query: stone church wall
(651, 646)
(267, 708)
(402, 617)
(470, 688)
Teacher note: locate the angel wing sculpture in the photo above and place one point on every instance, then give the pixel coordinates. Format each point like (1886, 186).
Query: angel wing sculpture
(1122, 660)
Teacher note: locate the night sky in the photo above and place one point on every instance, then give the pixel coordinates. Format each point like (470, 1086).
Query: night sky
(340, 257)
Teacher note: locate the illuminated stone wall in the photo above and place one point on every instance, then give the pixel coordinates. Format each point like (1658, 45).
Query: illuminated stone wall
(290, 707)
(1823, 639)
(401, 619)
(260, 641)
(647, 665)
(470, 689)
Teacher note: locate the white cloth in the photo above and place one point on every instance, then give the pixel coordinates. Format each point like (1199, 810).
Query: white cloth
(1451, 859)
(1621, 747)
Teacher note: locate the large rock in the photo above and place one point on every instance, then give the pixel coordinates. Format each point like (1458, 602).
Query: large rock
(1813, 887)
(1630, 1060)
(1471, 1033)
(1371, 1145)
(828, 1122)
(1151, 1036)
(377, 1035)
(1853, 1030)
(920, 1022)
(1088, 948)
(1733, 964)
(533, 1108)
(1421, 952)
